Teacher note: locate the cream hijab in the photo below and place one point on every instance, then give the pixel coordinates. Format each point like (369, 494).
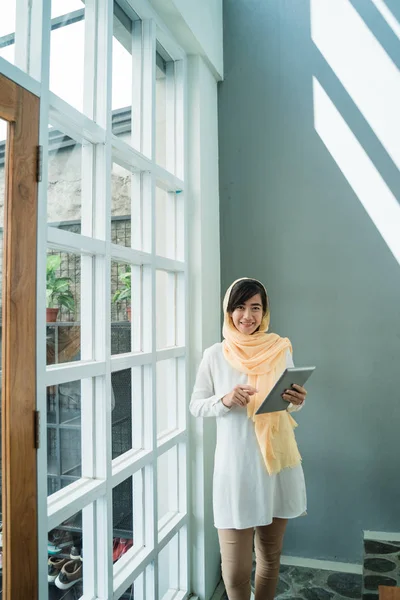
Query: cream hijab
(262, 356)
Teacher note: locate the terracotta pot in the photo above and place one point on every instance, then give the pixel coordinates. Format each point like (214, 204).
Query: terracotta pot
(51, 315)
(129, 313)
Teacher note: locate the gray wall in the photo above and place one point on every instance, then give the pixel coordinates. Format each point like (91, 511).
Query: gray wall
(290, 218)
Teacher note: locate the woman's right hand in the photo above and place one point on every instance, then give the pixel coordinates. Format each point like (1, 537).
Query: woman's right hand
(240, 395)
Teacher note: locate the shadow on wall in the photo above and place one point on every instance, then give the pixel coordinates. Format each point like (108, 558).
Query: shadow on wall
(309, 177)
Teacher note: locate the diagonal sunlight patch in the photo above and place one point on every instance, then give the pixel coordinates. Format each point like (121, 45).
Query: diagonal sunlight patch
(388, 16)
(363, 67)
(358, 169)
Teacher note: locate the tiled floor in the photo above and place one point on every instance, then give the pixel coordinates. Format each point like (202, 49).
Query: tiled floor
(297, 583)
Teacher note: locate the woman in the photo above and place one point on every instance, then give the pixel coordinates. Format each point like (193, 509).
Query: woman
(258, 477)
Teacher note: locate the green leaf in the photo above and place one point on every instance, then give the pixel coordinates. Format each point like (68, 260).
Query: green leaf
(53, 262)
(67, 301)
(126, 278)
(62, 284)
(58, 291)
(49, 299)
(125, 295)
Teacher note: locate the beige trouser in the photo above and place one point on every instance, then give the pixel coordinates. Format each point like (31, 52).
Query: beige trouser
(237, 558)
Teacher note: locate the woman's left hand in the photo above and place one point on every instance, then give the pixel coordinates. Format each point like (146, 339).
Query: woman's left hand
(296, 395)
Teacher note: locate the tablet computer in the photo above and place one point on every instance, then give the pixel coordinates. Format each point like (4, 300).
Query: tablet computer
(274, 401)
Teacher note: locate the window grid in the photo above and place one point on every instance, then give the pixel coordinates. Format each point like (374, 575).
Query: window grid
(93, 127)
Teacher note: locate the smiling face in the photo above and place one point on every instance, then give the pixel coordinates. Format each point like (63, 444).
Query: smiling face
(247, 317)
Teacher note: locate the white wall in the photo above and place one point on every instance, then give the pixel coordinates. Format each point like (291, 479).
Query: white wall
(197, 26)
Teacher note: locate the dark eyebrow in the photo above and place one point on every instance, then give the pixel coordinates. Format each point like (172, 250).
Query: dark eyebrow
(256, 304)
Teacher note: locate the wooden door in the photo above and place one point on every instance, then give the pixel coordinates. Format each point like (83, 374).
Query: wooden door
(19, 114)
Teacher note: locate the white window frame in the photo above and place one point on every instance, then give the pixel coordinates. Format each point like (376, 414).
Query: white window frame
(93, 492)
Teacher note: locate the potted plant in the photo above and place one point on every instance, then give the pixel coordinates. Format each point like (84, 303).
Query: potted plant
(58, 291)
(124, 292)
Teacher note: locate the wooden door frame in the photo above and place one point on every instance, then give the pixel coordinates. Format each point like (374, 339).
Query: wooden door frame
(19, 473)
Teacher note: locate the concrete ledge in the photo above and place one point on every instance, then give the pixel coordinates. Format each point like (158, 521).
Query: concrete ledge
(324, 565)
(382, 536)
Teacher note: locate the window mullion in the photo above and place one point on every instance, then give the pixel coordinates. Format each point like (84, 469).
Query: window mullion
(40, 69)
(90, 60)
(149, 89)
(154, 495)
(102, 295)
(22, 35)
(180, 116)
(137, 86)
(185, 483)
(149, 244)
(170, 117)
(91, 421)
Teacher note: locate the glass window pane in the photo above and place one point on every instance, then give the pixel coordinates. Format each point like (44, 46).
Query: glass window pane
(121, 313)
(168, 569)
(67, 53)
(128, 595)
(3, 141)
(64, 198)
(161, 112)
(3, 137)
(63, 292)
(167, 407)
(167, 224)
(165, 309)
(167, 477)
(165, 110)
(65, 559)
(142, 587)
(121, 203)
(122, 75)
(63, 435)
(58, 7)
(122, 500)
(7, 30)
(121, 404)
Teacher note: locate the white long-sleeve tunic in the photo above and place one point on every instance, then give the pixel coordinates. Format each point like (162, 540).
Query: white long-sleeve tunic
(244, 494)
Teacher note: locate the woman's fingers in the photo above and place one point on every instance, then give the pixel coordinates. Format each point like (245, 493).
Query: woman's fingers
(242, 393)
(292, 393)
(300, 389)
(249, 389)
(292, 399)
(242, 397)
(293, 396)
(238, 402)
